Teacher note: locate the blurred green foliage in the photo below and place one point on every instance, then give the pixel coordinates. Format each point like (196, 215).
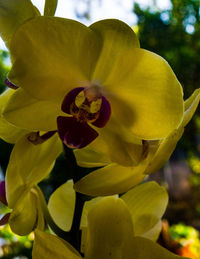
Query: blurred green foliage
(14, 246)
(4, 56)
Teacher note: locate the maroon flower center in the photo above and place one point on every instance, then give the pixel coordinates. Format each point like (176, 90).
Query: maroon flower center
(85, 105)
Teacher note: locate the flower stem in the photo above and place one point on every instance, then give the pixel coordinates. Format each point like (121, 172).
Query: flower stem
(75, 232)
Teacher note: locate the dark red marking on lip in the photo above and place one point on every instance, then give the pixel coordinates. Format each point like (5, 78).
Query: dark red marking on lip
(75, 134)
(104, 113)
(70, 98)
(10, 85)
(75, 131)
(3, 193)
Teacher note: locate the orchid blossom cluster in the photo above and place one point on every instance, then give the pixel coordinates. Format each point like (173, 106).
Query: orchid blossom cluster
(109, 105)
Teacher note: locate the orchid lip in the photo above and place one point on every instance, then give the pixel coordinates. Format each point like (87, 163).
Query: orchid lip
(75, 134)
(84, 106)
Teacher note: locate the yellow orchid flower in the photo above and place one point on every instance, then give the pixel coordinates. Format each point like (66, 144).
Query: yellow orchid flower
(113, 178)
(113, 228)
(99, 89)
(28, 165)
(88, 84)
(25, 170)
(26, 214)
(76, 91)
(146, 202)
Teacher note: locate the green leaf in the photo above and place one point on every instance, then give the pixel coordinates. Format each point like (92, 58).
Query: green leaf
(50, 7)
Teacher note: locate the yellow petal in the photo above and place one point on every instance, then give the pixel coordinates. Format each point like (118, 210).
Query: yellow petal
(40, 214)
(86, 209)
(152, 95)
(13, 13)
(61, 205)
(117, 37)
(113, 145)
(154, 232)
(164, 150)
(28, 165)
(147, 203)
(8, 132)
(88, 157)
(190, 106)
(110, 230)
(166, 146)
(50, 7)
(110, 180)
(24, 215)
(145, 249)
(37, 114)
(113, 178)
(50, 246)
(61, 56)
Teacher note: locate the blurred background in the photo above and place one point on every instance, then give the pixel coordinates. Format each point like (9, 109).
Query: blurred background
(170, 28)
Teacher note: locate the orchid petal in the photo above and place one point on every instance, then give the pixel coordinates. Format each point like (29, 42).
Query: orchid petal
(24, 215)
(8, 132)
(146, 249)
(37, 114)
(45, 244)
(28, 165)
(151, 93)
(114, 144)
(110, 230)
(166, 146)
(75, 134)
(13, 13)
(190, 106)
(147, 204)
(110, 180)
(117, 37)
(165, 149)
(61, 205)
(53, 67)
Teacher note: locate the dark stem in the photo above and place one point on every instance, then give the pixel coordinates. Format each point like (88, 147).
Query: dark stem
(75, 232)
